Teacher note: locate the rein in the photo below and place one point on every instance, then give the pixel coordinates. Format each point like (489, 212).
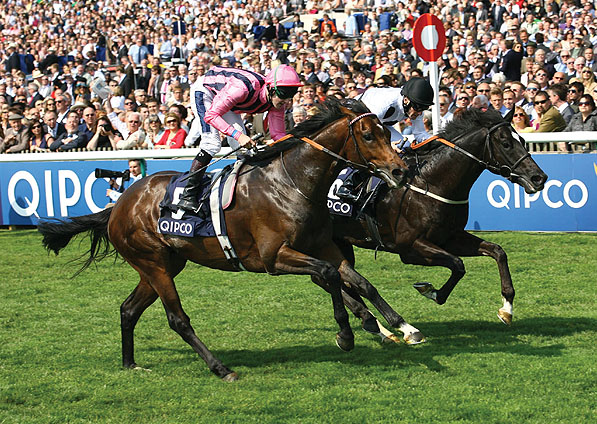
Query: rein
(503, 170)
(367, 166)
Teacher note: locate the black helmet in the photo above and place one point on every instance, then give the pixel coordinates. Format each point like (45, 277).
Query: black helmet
(418, 91)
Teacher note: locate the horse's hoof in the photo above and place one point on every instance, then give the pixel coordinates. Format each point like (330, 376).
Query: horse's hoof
(414, 338)
(138, 368)
(426, 289)
(391, 338)
(345, 344)
(230, 377)
(505, 317)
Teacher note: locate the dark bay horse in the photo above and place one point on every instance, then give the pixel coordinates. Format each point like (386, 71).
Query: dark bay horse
(424, 220)
(278, 223)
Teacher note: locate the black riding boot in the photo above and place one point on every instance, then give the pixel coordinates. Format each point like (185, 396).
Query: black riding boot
(347, 190)
(188, 200)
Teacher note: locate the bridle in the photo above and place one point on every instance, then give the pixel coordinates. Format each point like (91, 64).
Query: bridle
(492, 165)
(366, 166)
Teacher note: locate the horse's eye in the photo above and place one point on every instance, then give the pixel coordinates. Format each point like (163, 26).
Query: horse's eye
(506, 144)
(367, 136)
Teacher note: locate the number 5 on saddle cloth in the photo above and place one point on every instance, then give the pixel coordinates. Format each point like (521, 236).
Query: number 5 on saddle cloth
(215, 196)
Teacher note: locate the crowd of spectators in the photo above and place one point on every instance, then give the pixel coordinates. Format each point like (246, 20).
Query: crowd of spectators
(116, 74)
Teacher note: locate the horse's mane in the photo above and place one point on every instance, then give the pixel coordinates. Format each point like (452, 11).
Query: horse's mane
(467, 122)
(327, 112)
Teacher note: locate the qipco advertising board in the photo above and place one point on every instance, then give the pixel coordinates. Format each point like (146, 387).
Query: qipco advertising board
(33, 190)
(567, 203)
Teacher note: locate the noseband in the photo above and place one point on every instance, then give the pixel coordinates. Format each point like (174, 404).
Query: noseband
(491, 164)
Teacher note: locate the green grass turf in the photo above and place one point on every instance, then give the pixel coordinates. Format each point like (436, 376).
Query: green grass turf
(60, 357)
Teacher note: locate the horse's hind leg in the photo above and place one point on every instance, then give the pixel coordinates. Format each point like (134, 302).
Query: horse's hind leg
(179, 321)
(466, 244)
(130, 312)
(160, 278)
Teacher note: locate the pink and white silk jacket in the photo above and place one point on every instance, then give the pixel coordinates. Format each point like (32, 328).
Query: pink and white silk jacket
(240, 91)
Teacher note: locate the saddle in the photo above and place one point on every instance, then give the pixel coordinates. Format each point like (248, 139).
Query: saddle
(363, 208)
(366, 193)
(216, 195)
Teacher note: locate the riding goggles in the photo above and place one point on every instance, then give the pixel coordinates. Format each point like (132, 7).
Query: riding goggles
(418, 107)
(285, 92)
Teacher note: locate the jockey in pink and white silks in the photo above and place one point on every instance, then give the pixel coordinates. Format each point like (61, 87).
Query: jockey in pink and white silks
(219, 98)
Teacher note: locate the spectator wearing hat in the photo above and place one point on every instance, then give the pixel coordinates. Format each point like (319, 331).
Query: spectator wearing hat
(49, 60)
(578, 46)
(16, 138)
(13, 62)
(72, 138)
(79, 107)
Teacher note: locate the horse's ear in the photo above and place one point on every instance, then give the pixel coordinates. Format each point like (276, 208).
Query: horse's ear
(509, 115)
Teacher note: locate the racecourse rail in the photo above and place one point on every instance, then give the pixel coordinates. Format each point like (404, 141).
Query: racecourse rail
(63, 184)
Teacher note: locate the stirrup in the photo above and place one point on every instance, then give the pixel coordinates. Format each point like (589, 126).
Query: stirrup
(346, 194)
(189, 205)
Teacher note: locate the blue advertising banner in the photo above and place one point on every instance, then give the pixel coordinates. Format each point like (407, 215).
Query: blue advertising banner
(567, 203)
(30, 190)
(33, 190)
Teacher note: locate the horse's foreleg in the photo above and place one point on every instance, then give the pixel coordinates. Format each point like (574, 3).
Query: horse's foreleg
(411, 334)
(364, 288)
(423, 252)
(355, 303)
(291, 261)
(130, 312)
(357, 306)
(466, 244)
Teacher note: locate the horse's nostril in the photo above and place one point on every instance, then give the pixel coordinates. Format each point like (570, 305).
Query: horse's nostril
(398, 172)
(539, 179)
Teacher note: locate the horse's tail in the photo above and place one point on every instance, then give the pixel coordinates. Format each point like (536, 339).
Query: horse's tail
(58, 233)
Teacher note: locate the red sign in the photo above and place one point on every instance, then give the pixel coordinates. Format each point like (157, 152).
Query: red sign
(429, 37)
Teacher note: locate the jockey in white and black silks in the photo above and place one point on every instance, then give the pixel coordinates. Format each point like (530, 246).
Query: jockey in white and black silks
(394, 105)
(219, 98)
